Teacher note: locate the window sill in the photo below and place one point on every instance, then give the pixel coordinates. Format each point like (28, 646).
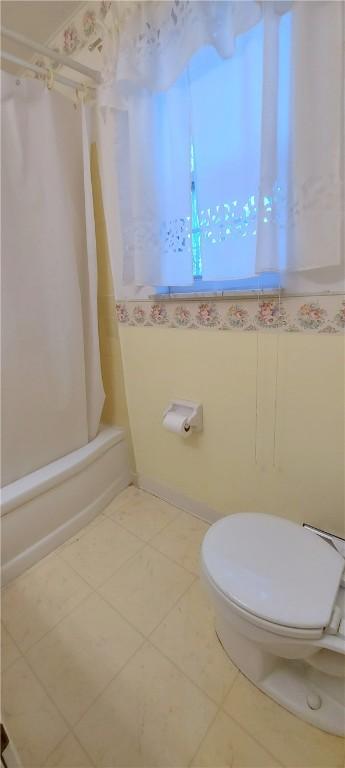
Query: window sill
(236, 294)
(214, 295)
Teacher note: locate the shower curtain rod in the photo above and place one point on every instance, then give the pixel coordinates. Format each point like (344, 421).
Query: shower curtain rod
(41, 70)
(59, 57)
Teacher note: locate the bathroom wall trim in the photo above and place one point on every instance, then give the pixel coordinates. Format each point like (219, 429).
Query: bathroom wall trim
(322, 314)
(196, 508)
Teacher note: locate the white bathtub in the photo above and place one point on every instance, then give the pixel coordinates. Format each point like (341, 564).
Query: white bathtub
(43, 509)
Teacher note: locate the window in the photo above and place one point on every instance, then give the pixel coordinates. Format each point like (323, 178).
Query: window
(202, 165)
(222, 226)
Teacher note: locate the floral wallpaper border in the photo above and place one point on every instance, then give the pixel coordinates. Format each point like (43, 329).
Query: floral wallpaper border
(325, 314)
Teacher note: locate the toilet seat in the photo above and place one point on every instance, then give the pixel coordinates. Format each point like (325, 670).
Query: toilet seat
(278, 574)
(260, 623)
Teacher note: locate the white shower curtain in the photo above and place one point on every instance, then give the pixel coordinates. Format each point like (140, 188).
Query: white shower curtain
(52, 393)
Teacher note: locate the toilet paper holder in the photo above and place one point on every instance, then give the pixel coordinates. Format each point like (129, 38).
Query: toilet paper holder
(188, 409)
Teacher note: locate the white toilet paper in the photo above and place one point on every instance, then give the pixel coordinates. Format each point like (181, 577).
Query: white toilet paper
(176, 422)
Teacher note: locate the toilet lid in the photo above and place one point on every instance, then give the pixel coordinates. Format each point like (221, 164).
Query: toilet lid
(273, 568)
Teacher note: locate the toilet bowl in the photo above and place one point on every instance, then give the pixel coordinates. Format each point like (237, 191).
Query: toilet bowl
(278, 591)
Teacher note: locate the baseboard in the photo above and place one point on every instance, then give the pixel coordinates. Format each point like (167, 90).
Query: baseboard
(48, 543)
(178, 499)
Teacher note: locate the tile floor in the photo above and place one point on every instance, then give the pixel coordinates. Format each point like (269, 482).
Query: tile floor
(110, 658)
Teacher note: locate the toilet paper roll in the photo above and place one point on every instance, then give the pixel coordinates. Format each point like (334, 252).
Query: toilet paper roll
(175, 422)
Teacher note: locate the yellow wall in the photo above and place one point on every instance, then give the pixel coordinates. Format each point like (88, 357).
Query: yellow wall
(273, 419)
(115, 406)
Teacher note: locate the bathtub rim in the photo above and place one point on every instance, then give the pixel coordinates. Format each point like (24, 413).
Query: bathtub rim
(24, 489)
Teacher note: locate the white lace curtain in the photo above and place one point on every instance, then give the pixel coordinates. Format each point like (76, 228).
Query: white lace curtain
(154, 105)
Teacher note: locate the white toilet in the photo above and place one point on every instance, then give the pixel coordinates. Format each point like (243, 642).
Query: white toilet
(278, 590)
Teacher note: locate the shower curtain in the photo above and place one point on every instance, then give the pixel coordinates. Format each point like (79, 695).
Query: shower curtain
(52, 393)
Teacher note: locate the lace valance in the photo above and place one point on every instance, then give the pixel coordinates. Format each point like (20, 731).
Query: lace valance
(156, 40)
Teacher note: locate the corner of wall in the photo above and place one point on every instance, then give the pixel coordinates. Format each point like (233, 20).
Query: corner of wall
(115, 409)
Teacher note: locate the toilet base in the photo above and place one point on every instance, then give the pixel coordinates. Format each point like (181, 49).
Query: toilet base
(292, 684)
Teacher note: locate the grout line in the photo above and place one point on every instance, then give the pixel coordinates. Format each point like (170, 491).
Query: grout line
(43, 687)
(147, 642)
(136, 536)
(57, 707)
(144, 545)
(4, 629)
(83, 748)
(130, 623)
(183, 594)
(251, 735)
(176, 562)
(146, 541)
(184, 674)
(70, 733)
(218, 704)
(96, 589)
(82, 599)
(104, 690)
(157, 647)
(92, 586)
(221, 710)
(146, 637)
(204, 737)
(243, 727)
(195, 580)
(171, 522)
(180, 513)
